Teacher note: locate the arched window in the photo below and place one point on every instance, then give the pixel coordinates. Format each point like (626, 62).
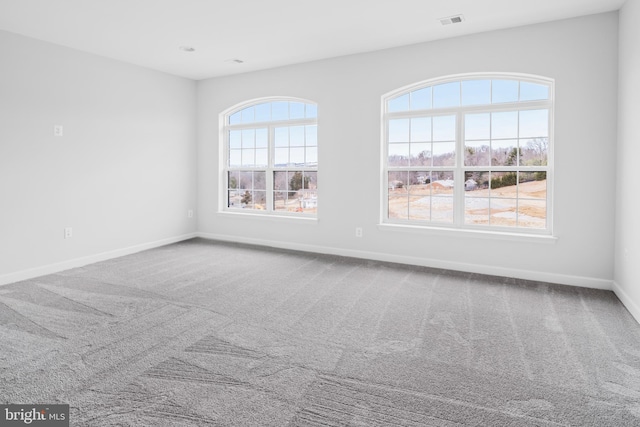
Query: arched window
(470, 152)
(271, 157)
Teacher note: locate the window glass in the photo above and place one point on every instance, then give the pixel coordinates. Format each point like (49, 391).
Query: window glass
(259, 158)
(491, 136)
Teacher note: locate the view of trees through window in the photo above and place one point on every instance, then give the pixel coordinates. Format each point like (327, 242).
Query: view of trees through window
(469, 153)
(271, 159)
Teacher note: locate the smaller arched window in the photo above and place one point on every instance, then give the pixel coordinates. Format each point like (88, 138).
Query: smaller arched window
(271, 157)
(470, 151)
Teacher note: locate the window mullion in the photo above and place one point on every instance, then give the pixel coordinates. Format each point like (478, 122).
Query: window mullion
(458, 193)
(270, 167)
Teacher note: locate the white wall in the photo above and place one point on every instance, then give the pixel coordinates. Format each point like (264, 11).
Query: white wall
(580, 54)
(123, 174)
(627, 248)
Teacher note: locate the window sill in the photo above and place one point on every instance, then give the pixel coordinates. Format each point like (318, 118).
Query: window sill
(269, 217)
(478, 234)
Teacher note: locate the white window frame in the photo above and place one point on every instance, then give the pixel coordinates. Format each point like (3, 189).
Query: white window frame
(271, 125)
(458, 224)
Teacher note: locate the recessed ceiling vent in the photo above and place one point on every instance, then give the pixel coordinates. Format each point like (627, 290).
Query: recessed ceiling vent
(456, 19)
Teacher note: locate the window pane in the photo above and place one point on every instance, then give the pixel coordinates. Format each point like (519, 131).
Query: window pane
(504, 125)
(279, 110)
(421, 99)
(235, 139)
(235, 118)
(399, 130)
(399, 103)
(534, 152)
(248, 138)
(419, 200)
(504, 184)
(419, 207)
(280, 180)
(246, 180)
(532, 185)
(311, 158)
(532, 213)
(442, 183)
(281, 157)
(296, 156)
(534, 123)
(420, 154)
(477, 126)
(311, 111)
(263, 112)
(296, 136)
(504, 152)
(477, 153)
(476, 92)
(444, 153)
(504, 91)
(260, 180)
(262, 157)
(444, 128)
(235, 158)
(248, 115)
(397, 195)
(233, 179)
(446, 95)
(262, 138)
(248, 157)
(476, 200)
(311, 135)
(503, 212)
(296, 110)
(398, 154)
(533, 91)
(442, 209)
(476, 210)
(421, 129)
(281, 137)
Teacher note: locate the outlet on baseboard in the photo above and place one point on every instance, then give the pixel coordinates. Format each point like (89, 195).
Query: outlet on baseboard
(68, 232)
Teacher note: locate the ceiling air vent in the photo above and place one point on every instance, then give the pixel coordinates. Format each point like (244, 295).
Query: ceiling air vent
(452, 20)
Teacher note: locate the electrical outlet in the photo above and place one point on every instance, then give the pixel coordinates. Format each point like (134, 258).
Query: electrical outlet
(358, 231)
(57, 130)
(68, 232)
(190, 213)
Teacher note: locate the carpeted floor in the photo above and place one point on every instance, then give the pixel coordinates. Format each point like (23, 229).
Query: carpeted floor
(208, 333)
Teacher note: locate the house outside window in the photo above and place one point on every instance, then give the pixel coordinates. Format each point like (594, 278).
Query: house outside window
(271, 158)
(470, 152)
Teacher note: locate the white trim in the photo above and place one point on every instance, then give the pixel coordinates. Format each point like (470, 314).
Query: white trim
(79, 262)
(277, 216)
(626, 300)
(563, 279)
(513, 236)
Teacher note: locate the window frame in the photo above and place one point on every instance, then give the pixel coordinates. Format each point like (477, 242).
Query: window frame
(270, 169)
(458, 224)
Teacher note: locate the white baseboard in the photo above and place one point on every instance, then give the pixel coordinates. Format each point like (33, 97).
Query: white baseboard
(79, 262)
(633, 308)
(563, 279)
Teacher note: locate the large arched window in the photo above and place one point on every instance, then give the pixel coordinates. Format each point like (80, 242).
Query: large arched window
(470, 152)
(271, 157)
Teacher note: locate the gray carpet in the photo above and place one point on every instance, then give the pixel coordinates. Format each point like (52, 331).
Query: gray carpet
(208, 333)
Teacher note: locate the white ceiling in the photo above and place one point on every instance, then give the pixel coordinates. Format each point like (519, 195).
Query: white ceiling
(264, 33)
